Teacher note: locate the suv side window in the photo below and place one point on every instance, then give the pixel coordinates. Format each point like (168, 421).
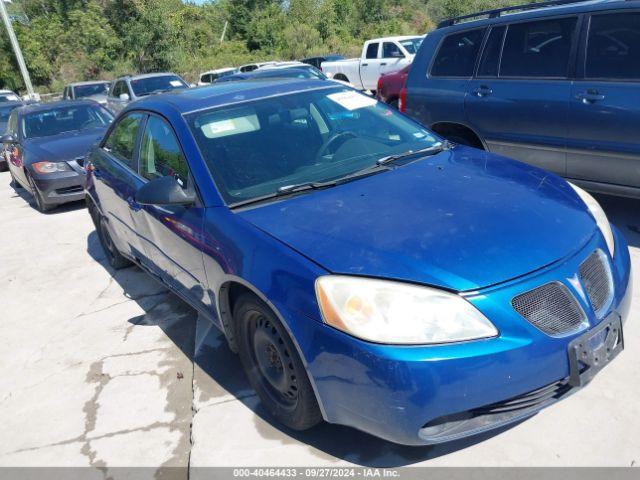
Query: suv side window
(122, 140)
(490, 60)
(161, 155)
(538, 49)
(391, 50)
(613, 47)
(372, 50)
(457, 54)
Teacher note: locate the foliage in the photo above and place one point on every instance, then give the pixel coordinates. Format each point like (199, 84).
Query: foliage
(72, 40)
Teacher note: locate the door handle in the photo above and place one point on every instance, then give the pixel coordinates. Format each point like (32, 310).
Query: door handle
(133, 205)
(590, 96)
(482, 91)
(365, 64)
(383, 64)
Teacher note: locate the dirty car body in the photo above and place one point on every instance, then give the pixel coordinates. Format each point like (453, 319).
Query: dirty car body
(431, 291)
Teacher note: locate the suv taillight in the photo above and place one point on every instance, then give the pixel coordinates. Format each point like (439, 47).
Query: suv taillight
(402, 101)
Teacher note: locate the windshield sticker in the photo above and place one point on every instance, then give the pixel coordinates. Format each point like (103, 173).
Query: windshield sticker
(230, 126)
(176, 83)
(352, 100)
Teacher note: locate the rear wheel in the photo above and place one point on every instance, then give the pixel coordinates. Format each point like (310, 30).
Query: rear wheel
(114, 257)
(40, 204)
(273, 365)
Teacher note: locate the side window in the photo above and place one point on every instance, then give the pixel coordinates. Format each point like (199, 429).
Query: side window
(391, 50)
(66, 93)
(206, 78)
(538, 49)
(122, 140)
(372, 50)
(12, 123)
(457, 54)
(115, 90)
(613, 47)
(490, 60)
(161, 155)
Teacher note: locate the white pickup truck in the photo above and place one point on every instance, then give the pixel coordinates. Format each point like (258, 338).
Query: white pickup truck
(380, 55)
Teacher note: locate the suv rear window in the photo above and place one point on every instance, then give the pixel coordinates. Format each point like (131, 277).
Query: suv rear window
(457, 54)
(613, 48)
(538, 49)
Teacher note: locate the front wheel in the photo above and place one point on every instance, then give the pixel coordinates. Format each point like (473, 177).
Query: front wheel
(40, 203)
(273, 365)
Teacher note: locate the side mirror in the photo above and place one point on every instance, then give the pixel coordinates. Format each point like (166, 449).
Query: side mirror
(164, 191)
(8, 139)
(124, 96)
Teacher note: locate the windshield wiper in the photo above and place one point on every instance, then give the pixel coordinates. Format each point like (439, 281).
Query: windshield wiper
(432, 150)
(301, 187)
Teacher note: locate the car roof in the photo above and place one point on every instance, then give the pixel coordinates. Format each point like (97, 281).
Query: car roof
(535, 10)
(219, 70)
(396, 38)
(230, 93)
(6, 91)
(146, 75)
(40, 107)
(88, 82)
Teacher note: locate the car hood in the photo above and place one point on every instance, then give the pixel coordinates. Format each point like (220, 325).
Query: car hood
(462, 220)
(66, 146)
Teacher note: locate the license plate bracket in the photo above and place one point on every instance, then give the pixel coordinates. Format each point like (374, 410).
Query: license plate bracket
(591, 352)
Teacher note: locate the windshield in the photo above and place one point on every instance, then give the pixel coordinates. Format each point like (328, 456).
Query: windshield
(9, 97)
(64, 119)
(149, 85)
(412, 44)
(82, 91)
(6, 111)
(254, 149)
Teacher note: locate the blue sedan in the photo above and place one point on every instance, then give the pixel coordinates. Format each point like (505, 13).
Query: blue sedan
(367, 272)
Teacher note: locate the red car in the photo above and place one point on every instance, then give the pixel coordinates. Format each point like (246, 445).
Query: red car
(390, 85)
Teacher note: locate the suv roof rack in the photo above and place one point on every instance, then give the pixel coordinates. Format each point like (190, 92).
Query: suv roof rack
(499, 11)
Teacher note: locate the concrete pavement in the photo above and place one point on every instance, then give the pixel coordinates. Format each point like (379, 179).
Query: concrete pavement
(107, 369)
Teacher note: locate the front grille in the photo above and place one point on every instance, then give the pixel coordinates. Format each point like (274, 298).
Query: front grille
(597, 281)
(528, 400)
(68, 190)
(551, 308)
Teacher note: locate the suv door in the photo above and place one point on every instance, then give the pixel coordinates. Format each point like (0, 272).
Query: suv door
(603, 141)
(116, 181)
(518, 103)
(171, 231)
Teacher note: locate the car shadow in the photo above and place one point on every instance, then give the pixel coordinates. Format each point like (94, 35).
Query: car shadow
(214, 358)
(624, 213)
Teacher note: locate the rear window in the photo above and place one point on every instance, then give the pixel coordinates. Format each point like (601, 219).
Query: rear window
(457, 54)
(149, 85)
(538, 49)
(83, 91)
(613, 49)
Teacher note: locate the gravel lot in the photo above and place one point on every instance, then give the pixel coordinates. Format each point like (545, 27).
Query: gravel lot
(108, 370)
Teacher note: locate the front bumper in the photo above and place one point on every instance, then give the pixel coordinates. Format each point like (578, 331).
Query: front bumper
(411, 394)
(61, 187)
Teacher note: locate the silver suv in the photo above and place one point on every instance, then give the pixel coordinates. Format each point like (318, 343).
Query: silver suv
(132, 87)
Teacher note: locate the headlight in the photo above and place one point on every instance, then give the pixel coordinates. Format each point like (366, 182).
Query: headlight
(599, 215)
(51, 167)
(392, 312)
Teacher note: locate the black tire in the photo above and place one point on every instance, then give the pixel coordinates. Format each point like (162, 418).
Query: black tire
(41, 206)
(273, 365)
(394, 103)
(114, 257)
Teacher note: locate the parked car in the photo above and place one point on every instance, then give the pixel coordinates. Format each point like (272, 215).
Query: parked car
(9, 96)
(45, 148)
(250, 67)
(367, 272)
(301, 71)
(5, 110)
(380, 55)
(132, 87)
(96, 91)
(556, 86)
(317, 61)
(211, 76)
(390, 86)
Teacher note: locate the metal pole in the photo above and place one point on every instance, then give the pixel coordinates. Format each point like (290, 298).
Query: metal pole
(16, 50)
(224, 30)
